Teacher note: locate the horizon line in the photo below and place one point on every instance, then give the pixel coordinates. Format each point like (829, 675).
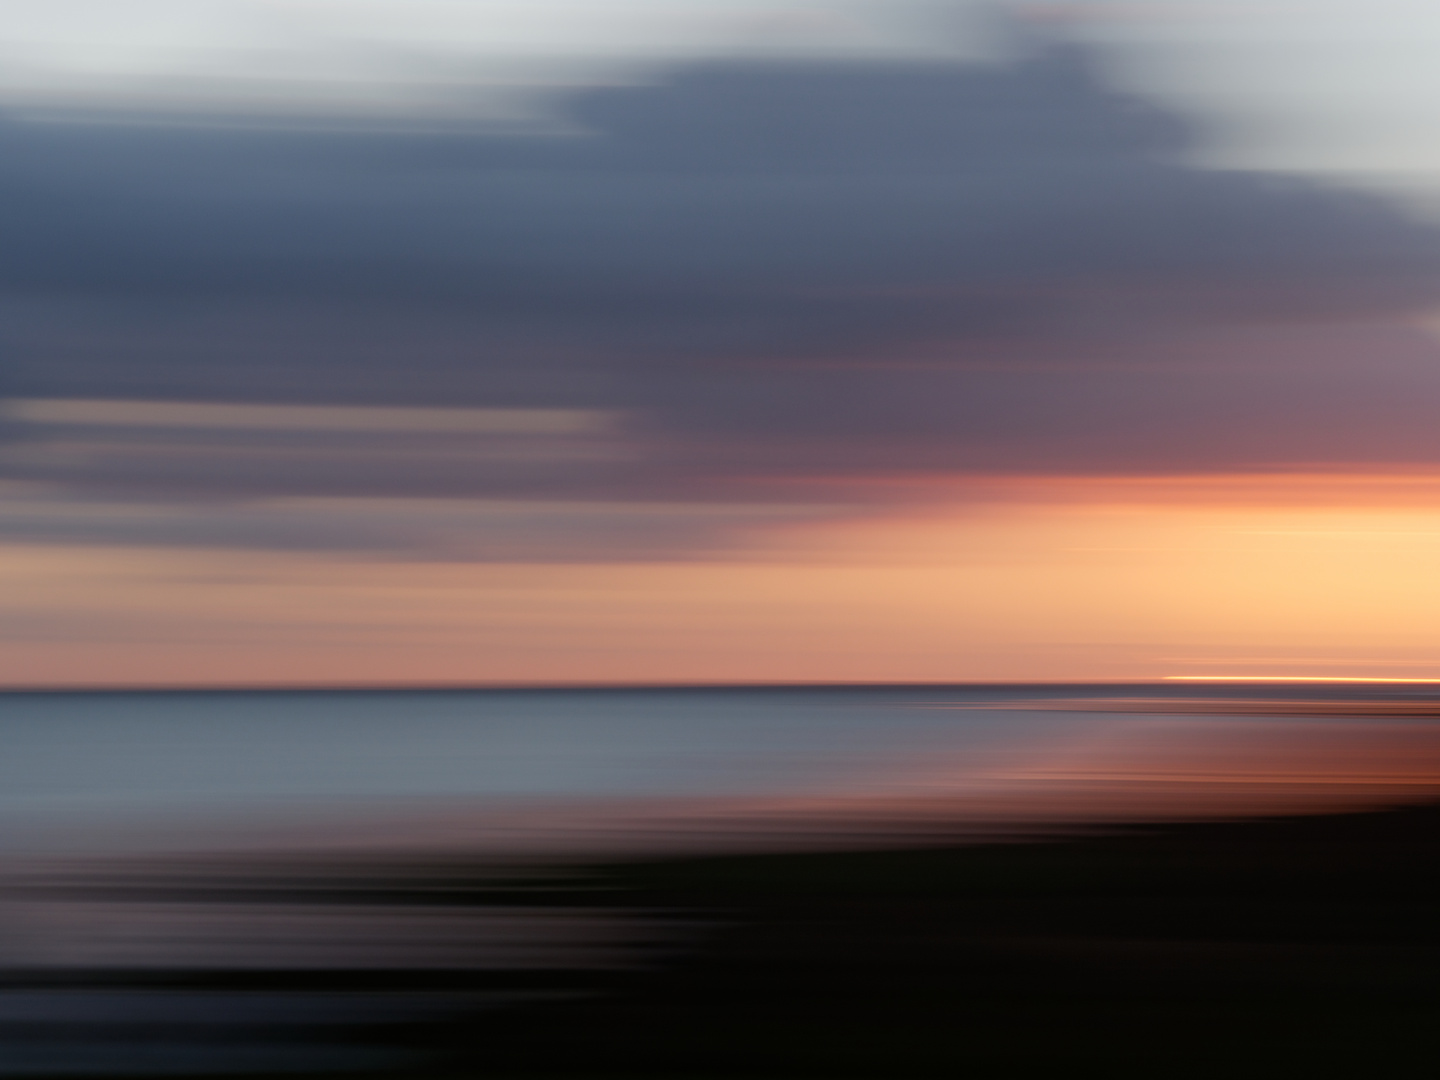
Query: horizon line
(1298, 678)
(583, 685)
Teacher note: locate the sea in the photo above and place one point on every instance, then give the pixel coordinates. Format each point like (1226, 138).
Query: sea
(203, 882)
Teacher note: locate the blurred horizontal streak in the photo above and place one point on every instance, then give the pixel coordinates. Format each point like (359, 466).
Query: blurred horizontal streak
(1238, 707)
(219, 1008)
(223, 450)
(187, 1057)
(103, 457)
(1297, 679)
(425, 529)
(1317, 485)
(346, 418)
(107, 931)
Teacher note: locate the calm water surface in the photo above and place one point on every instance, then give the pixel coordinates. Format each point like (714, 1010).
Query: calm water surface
(85, 767)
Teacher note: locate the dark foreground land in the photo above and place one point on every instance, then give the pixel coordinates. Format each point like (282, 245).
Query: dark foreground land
(1301, 947)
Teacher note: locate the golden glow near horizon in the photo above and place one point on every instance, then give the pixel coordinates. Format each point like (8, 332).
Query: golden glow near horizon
(1292, 679)
(1043, 581)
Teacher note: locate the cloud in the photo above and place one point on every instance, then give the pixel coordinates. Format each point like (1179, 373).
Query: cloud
(772, 271)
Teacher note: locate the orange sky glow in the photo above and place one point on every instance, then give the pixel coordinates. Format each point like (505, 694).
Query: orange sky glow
(1025, 578)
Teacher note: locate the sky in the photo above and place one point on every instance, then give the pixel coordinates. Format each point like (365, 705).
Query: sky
(731, 341)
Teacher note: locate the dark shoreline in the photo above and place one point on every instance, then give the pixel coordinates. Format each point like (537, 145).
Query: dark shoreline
(1302, 946)
(1269, 947)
